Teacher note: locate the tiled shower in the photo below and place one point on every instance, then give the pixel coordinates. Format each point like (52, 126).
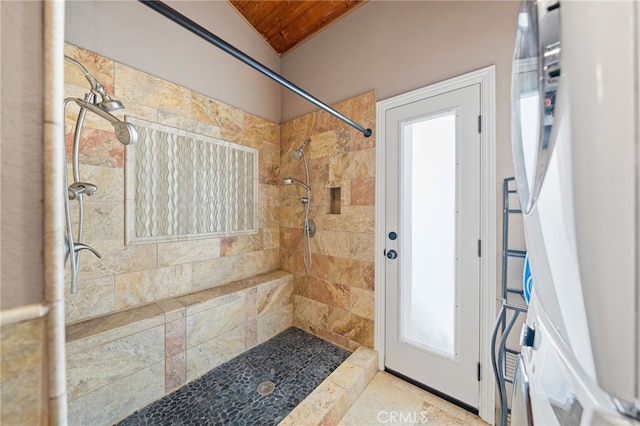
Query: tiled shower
(334, 300)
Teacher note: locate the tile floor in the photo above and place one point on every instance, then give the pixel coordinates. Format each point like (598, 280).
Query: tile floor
(388, 400)
(294, 361)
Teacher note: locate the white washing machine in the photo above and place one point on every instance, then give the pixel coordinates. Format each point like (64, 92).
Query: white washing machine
(576, 145)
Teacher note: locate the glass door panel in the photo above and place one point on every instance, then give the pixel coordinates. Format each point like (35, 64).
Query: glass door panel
(429, 285)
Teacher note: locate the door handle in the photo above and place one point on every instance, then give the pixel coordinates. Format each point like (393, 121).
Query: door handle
(392, 254)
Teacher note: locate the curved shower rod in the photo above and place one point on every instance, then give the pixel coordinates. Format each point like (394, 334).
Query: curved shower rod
(188, 24)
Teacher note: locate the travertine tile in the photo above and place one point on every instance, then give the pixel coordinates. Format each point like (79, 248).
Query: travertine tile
(149, 90)
(22, 372)
(210, 111)
(118, 399)
(304, 414)
(174, 337)
(88, 334)
(363, 191)
(274, 321)
(175, 372)
(218, 320)
(136, 288)
(102, 365)
(92, 298)
(362, 303)
(208, 355)
(179, 252)
(351, 378)
(100, 67)
(310, 312)
(168, 119)
(173, 310)
(329, 293)
(330, 399)
(367, 359)
(382, 403)
(117, 259)
(274, 294)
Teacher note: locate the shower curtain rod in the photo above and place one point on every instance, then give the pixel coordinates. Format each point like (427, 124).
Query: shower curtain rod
(188, 24)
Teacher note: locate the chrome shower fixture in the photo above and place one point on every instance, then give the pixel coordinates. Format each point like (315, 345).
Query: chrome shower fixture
(290, 180)
(125, 132)
(298, 153)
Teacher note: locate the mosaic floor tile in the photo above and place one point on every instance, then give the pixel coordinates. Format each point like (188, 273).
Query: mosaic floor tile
(295, 361)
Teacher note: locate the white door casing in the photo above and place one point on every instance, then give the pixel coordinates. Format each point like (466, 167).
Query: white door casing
(486, 80)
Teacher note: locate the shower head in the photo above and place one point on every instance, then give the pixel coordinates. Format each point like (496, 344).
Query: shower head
(290, 180)
(298, 153)
(125, 132)
(107, 103)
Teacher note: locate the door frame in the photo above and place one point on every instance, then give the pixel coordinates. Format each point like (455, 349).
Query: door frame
(485, 77)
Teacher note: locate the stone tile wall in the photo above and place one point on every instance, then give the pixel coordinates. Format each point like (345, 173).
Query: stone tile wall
(121, 362)
(22, 396)
(129, 276)
(336, 299)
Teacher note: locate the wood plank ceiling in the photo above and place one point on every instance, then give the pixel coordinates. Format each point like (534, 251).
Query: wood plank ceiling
(286, 24)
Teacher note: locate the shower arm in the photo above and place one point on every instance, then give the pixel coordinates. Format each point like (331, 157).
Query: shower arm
(190, 25)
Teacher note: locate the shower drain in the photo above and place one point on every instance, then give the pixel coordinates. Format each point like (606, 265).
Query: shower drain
(265, 388)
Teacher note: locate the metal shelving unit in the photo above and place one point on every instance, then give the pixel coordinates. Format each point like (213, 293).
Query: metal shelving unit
(513, 304)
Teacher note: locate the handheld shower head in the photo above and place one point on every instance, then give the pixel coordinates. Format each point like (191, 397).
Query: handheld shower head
(290, 180)
(125, 132)
(298, 153)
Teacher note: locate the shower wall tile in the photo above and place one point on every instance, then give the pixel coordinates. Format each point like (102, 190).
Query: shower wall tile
(230, 120)
(118, 399)
(336, 300)
(102, 365)
(150, 90)
(21, 371)
(93, 297)
(183, 252)
(174, 337)
(328, 293)
(180, 122)
(274, 295)
(239, 244)
(100, 67)
(231, 268)
(138, 272)
(175, 372)
(98, 148)
(274, 322)
(219, 320)
(89, 334)
(363, 191)
(116, 259)
(362, 303)
(210, 354)
(263, 131)
(309, 313)
(103, 219)
(137, 288)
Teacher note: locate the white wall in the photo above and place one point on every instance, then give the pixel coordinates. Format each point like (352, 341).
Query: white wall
(133, 34)
(21, 189)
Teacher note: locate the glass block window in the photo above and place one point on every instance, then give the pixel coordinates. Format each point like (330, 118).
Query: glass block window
(182, 185)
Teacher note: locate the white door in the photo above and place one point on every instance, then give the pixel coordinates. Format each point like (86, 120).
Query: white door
(432, 242)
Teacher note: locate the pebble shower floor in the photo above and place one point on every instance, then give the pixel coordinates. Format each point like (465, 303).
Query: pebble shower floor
(295, 361)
